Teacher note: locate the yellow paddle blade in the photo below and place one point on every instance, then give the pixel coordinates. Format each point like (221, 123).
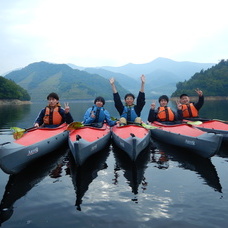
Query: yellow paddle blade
(147, 126)
(194, 122)
(17, 129)
(18, 135)
(74, 125)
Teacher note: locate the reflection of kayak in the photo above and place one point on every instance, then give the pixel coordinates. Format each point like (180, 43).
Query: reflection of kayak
(213, 126)
(133, 170)
(131, 138)
(82, 176)
(202, 166)
(182, 135)
(15, 155)
(86, 141)
(21, 183)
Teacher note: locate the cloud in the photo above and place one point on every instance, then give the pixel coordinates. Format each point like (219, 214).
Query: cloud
(103, 32)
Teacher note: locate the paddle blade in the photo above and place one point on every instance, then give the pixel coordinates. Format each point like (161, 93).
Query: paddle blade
(74, 125)
(194, 122)
(147, 126)
(17, 129)
(18, 135)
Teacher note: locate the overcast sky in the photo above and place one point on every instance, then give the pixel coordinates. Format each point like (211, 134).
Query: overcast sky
(114, 33)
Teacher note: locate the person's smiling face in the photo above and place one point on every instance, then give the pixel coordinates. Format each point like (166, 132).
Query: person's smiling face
(129, 100)
(52, 101)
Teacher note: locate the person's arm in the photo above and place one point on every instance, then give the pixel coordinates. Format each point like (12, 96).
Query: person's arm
(151, 116)
(108, 119)
(112, 82)
(200, 103)
(142, 83)
(179, 113)
(67, 115)
(69, 118)
(88, 118)
(140, 103)
(118, 103)
(39, 120)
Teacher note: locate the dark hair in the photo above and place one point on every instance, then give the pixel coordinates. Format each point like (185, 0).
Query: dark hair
(129, 95)
(163, 97)
(101, 99)
(183, 95)
(53, 95)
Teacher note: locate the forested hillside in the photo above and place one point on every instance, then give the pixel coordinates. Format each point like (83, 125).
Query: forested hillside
(41, 78)
(213, 81)
(10, 90)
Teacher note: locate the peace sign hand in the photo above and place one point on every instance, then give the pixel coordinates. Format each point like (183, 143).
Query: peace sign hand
(200, 92)
(153, 105)
(179, 105)
(67, 107)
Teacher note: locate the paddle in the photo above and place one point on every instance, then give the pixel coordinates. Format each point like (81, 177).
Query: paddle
(194, 122)
(198, 122)
(19, 132)
(147, 126)
(224, 121)
(74, 125)
(77, 125)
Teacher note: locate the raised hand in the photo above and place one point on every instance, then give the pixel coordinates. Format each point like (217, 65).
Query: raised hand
(143, 78)
(153, 104)
(179, 105)
(112, 81)
(66, 107)
(199, 92)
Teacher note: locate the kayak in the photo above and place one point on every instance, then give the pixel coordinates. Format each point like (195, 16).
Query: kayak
(212, 126)
(87, 140)
(16, 154)
(133, 171)
(131, 138)
(82, 176)
(183, 135)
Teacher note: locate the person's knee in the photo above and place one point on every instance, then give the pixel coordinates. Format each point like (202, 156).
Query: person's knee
(138, 120)
(123, 120)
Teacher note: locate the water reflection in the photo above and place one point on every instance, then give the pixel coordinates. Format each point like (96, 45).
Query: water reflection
(11, 114)
(133, 170)
(82, 176)
(20, 184)
(223, 151)
(202, 166)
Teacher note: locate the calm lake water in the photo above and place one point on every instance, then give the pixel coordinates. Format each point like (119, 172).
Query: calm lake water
(166, 187)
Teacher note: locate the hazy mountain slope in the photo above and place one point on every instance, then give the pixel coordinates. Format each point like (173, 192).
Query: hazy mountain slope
(41, 78)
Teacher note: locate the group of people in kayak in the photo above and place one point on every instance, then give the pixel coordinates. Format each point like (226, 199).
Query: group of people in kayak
(53, 114)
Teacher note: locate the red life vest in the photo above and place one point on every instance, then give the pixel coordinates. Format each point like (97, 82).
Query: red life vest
(189, 110)
(165, 114)
(52, 116)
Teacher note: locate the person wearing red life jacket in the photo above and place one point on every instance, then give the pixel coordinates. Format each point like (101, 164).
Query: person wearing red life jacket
(191, 109)
(164, 113)
(53, 114)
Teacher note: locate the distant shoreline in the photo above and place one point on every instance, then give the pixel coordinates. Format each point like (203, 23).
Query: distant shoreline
(193, 98)
(13, 102)
(208, 98)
